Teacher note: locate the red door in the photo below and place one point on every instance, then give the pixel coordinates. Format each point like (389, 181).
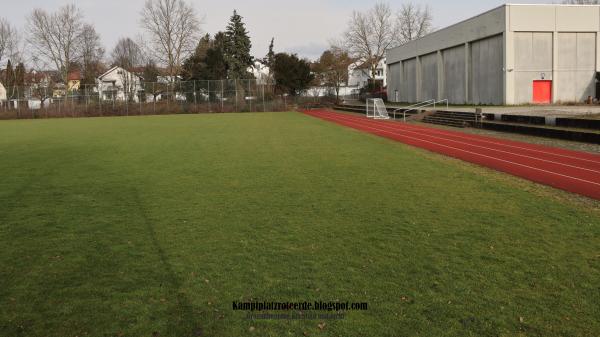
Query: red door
(542, 92)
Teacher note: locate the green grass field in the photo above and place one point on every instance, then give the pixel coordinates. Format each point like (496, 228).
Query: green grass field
(153, 226)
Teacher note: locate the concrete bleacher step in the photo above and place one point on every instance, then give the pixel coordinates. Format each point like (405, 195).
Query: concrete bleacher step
(450, 118)
(433, 119)
(455, 114)
(574, 134)
(455, 118)
(574, 122)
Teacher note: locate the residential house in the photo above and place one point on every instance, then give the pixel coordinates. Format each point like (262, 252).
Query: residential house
(59, 90)
(2, 93)
(74, 81)
(40, 79)
(359, 74)
(168, 79)
(118, 84)
(261, 72)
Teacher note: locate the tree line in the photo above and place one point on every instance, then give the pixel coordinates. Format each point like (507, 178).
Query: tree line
(173, 46)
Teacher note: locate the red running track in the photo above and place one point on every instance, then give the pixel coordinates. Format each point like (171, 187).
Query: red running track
(573, 171)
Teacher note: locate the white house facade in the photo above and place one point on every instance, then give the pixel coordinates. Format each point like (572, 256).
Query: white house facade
(118, 83)
(359, 74)
(261, 72)
(2, 93)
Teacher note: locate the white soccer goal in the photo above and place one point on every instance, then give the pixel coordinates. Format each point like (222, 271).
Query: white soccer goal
(376, 109)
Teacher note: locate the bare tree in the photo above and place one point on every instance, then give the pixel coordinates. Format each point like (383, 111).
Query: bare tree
(92, 53)
(56, 37)
(370, 33)
(128, 55)
(333, 65)
(41, 86)
(9, 41)
(173, 30)
(415, 22)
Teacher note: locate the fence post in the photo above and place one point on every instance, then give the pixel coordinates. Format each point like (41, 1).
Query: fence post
(127, 100)
(222, 97)
(86, 98)
(250, 95)
(18, 105)
(101, 98)
(195, 99)
(208, 90)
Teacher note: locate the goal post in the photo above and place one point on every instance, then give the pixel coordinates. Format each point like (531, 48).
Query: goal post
(376, 109)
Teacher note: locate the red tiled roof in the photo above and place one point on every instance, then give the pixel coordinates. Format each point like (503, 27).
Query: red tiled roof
(74, 76)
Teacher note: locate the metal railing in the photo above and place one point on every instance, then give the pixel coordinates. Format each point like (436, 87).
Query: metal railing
(412, 107)
(441, 101)
(420, 105)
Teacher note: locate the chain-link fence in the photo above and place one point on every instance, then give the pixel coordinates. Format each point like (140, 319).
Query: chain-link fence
(146, 98)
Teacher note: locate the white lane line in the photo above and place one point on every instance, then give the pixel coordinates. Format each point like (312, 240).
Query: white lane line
(482, 147)
(475, 153)
(488, 141)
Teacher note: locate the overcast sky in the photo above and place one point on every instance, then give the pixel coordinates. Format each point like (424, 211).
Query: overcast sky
(300, 26)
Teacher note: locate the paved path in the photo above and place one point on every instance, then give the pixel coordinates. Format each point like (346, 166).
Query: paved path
(577, 172)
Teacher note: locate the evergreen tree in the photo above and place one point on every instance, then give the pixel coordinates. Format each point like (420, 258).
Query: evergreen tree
(20, 79)
(292, 74)
(9, 80)
(237, 48)
(9, 77)
(270, 58)
(208, 61)
(216, 62)
(194, 68)
(151, 72)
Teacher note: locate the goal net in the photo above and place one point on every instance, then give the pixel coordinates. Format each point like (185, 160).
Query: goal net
(376, 109)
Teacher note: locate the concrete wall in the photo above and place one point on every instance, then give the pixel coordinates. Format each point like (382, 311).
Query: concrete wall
(484, 25)
(394, 74)
(495, 57)
(408, 87)
(429, 77)
(552, 42)
(443, 69)
(454, 75)
(486, 73)
(533, 61)
(562, 18)
(576, 71)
